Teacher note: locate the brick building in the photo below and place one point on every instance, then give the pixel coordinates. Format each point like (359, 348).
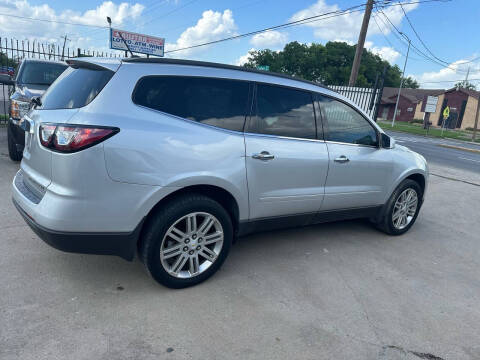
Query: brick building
(407, 104)
(462, 103)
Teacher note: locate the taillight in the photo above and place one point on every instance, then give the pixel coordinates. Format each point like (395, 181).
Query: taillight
(72, 138)
(46, 134)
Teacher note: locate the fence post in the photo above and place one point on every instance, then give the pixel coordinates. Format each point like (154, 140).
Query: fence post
(374, 92)
(380, 94)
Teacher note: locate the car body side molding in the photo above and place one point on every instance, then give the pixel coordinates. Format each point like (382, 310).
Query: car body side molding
(291, 221)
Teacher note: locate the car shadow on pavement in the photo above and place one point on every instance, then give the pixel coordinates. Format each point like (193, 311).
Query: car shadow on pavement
(251, 253)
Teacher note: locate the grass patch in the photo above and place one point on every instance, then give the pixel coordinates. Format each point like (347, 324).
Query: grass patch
(433, 132)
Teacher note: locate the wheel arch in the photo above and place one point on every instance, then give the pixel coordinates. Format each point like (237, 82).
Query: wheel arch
(417, 175)
(217, 193)
(419, 179)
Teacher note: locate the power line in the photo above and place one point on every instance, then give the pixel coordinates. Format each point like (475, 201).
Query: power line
(416, 49)
(295, 23)
(171, 12)
(419, 38)
(52, 21)
(389, 42)
(185, 25)
(447, 81)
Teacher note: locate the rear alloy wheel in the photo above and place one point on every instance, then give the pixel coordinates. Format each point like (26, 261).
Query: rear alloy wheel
(402, 208)
(186, 241)
(191, 245)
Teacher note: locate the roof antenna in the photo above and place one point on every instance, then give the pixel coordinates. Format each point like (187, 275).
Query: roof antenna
(109, 20)
(131, 53)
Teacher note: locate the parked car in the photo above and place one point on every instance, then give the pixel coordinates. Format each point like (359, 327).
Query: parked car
(30, 81)
(173, 159)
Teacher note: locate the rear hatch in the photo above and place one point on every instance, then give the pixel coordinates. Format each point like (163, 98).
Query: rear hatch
(74, 89)
(37, 160)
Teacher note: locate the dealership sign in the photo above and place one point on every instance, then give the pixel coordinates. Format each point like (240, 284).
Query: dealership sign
(138, 43)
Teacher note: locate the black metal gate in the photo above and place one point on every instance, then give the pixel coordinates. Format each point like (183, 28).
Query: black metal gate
(12, 52)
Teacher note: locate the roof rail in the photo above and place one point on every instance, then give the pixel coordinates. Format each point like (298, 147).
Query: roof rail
(218, 66)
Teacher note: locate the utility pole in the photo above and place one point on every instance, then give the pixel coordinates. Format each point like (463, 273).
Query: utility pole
(466, 77)
(64, 42)
(403, 78)
(360, 44)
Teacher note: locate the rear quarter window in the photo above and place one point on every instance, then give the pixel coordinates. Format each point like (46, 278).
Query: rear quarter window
(75, 88)
(217, 102)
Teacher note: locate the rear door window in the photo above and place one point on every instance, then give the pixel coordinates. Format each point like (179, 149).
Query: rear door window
(75, 88)
(217, 102)
(284, 111)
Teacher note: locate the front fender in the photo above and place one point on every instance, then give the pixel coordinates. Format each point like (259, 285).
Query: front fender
(403, 176)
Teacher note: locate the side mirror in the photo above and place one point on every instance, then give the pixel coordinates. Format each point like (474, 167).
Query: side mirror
(387, 141)
(6, 79)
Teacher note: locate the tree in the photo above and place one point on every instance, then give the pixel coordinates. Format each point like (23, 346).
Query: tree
(5, 61)
(410, 83)
(466, 85)
(329, 64)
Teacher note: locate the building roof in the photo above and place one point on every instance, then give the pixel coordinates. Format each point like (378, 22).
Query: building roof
(414, 95)
(389, 95)
(473, 93)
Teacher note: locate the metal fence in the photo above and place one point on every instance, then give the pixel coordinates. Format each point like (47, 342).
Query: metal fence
(366, 98)
(13, 51)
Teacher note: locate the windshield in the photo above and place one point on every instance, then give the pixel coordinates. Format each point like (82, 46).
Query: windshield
(75, 88)
(39, 73)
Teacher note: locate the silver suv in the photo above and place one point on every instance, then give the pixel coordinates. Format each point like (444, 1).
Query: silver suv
(175, 159)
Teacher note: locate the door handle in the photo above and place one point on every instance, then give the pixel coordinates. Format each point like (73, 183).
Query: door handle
(342, 159)
(264, 155)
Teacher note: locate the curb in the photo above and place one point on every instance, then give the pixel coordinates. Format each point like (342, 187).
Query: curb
(459, 148)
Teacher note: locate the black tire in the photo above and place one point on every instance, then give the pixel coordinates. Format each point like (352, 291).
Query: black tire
(166, 216)
(13, 152)
(386, 223)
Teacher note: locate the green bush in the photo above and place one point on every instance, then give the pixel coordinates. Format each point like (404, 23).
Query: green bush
(416, 121)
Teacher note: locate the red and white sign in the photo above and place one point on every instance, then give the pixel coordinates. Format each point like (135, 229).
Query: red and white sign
(139, 43)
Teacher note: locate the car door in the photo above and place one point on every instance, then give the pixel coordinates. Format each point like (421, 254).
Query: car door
(358, 168)
(286, 161)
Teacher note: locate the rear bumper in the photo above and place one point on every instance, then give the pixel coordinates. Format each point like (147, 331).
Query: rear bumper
(119, 244)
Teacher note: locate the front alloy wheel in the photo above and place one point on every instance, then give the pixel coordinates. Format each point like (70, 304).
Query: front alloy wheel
(401, 210)
(191, 245)
(405, 209)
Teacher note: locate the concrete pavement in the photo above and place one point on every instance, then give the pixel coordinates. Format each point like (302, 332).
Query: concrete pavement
(333, 291)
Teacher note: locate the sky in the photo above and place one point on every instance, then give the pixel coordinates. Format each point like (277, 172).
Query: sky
(446, 31)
